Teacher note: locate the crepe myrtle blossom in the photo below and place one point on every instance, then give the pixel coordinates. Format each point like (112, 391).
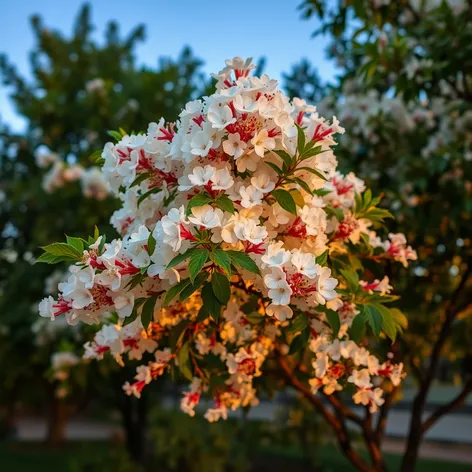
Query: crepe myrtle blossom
(240, 242)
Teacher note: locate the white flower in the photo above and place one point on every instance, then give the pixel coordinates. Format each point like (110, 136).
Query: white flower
(360, 378)
(276, 255)
(222, 179)
(263, 183)
(233, 146)
(262, 142)
(280, 312)
(200, 176)
(250, 196)
(305, 263)
(325, 285)
(206, 216)
(220, 115)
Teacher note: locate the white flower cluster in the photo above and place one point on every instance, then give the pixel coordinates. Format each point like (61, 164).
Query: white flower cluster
(60, 174)
(242, 190)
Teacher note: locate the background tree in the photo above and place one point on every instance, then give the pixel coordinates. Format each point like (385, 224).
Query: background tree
(404, 96)
(79, 88)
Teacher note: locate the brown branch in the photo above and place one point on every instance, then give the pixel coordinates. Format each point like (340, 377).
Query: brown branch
(457, 402)
(416, 430)
(336, 403)
(383, 415)
(336, 424)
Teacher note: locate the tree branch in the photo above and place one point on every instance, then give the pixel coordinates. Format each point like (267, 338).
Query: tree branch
(337, 425)
(416, 428)
(448, 407)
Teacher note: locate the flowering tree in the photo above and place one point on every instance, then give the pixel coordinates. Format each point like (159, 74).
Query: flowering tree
(243, 253)
(50, 185)
(405, 96)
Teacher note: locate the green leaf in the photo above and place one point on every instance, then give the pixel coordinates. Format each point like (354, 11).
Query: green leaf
(147, 194)
(352, 279)
(141, 178)
(299, 342)
(77, 243)
(400, 319)
(174, 291)
(225, 203)
(313, 171)
(115, 135)
(210, 302)
(300, 140)
(303, 185)
(322, 259)
(389, 326)
(275, 167)
(373, 318)
(255, 318)
(285, 200)
(51, 259)
(221, 287)
(96, 157)
(180, 258)
(197, 201)
(63, 249)
(147, 313)
(285, 156)
(96, 233)
(222, 259)
(333, 320)
(377, 214)
(311, 151)
(183, 359)
(197, 261)
(176, 334)
(357, 330)
(243, 260)
(189, 289)
(151, 244)
(298, 324)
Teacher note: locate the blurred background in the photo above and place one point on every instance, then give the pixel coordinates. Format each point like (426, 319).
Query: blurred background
(397, 74)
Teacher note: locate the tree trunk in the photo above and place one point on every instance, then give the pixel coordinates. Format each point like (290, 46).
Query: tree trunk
(134, 414)
(57, 423)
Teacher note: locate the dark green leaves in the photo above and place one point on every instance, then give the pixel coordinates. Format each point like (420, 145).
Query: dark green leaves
(221, 287)
(180, 258)
(197, 201)
(373, 318)
(357, 330)
(211, 303)
(298, 324)
(300, 140)
(147, 313)
(242, 260)
(183, 360)
(333, 320)
(190, 288)
(198, 257)
(147, 194)
(300, 341)
(116, 135)
(151, 244)
(59, 252)
(225, 203)
(140, 178)
(285, 200)
(174, 291)
(222, 259)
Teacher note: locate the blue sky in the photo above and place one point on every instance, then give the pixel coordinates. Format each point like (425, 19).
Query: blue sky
(214, 29)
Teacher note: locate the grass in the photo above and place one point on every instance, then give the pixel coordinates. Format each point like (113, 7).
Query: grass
(26, 457)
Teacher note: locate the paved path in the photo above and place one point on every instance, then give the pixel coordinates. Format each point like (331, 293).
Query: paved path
(455, 429)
